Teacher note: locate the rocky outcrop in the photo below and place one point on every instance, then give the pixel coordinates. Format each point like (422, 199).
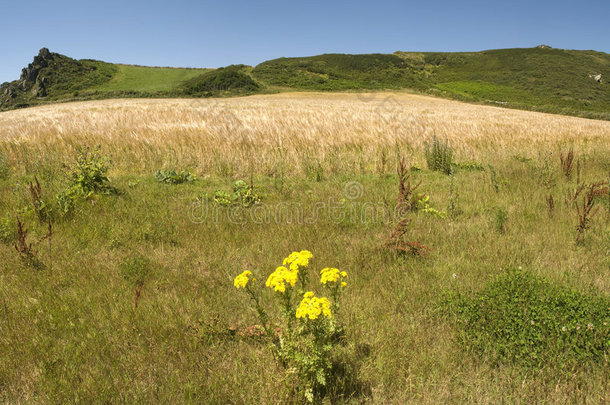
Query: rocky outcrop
(29, 75)
(39, 90)
(7, 93)
(31, 83)
(10, 92)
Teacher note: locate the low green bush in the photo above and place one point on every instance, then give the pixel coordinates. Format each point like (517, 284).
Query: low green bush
(439, 155)
(174, 177)
(245, 194)
(242, 194)
(522, 319)
(230, 78)
(87, 176)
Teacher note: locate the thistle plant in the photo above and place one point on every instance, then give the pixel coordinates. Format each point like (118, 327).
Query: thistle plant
(308, 337)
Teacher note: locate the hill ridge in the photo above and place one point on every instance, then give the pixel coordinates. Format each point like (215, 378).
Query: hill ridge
(543, 78)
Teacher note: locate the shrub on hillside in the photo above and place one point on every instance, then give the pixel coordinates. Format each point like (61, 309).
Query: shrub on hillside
(522, 319)
(222, 79)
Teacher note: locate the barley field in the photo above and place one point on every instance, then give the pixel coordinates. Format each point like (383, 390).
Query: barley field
(254, 130)
(492, 286)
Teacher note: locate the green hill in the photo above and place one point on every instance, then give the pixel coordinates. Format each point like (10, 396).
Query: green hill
(52, 77)
(148, 79)
(340, 72)
(546, 79)
(541, 78)
(231, 79)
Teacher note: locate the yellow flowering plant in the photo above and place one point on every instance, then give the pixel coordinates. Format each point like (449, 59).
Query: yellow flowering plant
(309, 331)
(334, 281)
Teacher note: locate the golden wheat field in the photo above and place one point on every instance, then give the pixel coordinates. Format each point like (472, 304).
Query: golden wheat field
(260, 129)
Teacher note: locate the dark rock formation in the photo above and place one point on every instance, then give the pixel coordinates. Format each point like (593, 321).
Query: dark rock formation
(29, 75)
(44, 53)
(7, 93)
(39, 90)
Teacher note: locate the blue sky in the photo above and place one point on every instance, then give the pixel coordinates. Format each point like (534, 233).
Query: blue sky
(219, 33)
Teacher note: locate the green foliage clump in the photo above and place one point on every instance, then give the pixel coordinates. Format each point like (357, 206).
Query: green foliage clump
(243, 194)
(469, 166)
(439, 155)
(421, 203)
(222, 198)
(230, 78)
(525, 320)
(494, 178)
(7, 229)
(173, 177)
(87, 176)
(135, 269)
(501, 217)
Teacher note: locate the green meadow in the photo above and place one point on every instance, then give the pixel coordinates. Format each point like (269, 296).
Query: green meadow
(473, 275)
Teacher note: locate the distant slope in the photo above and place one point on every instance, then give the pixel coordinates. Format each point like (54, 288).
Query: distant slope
(232, 79)
(546, 79)
(147, 79)
(541, 78)
(52, 77)
(340, 72)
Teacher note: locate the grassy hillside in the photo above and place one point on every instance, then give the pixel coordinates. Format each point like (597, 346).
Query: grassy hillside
(544, 79)
(541, 79)
(148, 79)
(339, 72)
(65, 75)
(231, 79)
(53, 78)
(132, 299)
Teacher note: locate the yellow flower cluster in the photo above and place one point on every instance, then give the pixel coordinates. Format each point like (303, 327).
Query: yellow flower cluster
(312, 306)
(331, 274)
(298, 259)
(283, 275)
(242, 280)
(280, 277)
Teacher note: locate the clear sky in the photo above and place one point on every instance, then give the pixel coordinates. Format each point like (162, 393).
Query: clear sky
(218, 33)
